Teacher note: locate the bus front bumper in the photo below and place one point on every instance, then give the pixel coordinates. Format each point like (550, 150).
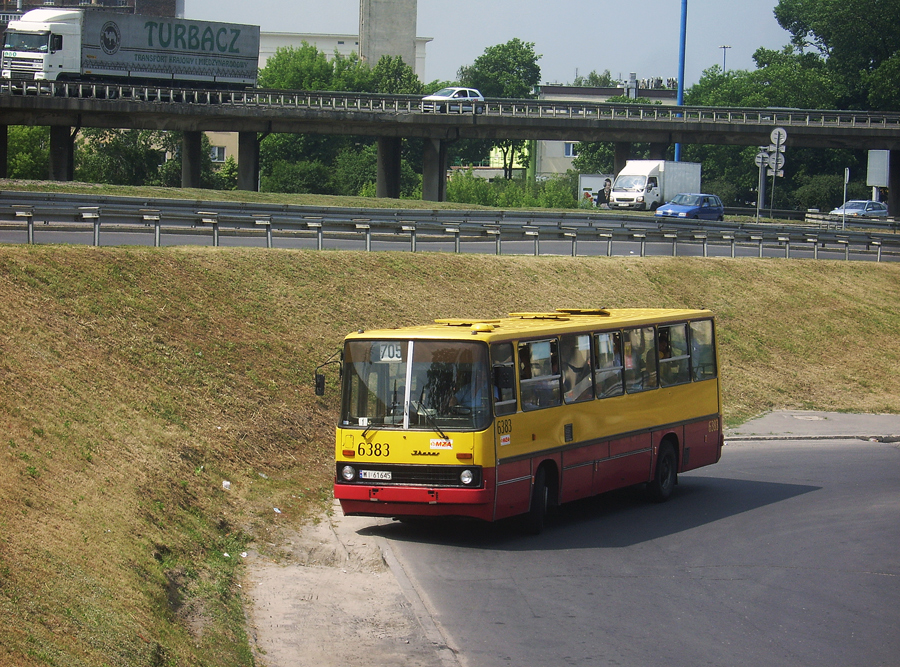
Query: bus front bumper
(360, 500)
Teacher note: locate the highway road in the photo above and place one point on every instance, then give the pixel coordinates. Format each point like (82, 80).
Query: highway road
(784, 553)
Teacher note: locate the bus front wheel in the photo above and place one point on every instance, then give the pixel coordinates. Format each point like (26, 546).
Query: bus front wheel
(666, 476)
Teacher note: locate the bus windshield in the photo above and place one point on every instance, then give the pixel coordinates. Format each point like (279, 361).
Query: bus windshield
(38, 42)
(444, 388)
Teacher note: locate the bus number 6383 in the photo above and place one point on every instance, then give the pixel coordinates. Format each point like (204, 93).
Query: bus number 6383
(373, 449)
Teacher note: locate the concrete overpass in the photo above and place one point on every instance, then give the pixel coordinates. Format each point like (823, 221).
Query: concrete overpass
(65, 108)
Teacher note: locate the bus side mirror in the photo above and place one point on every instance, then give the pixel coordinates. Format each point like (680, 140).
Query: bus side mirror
(320, 384)
(320, 377)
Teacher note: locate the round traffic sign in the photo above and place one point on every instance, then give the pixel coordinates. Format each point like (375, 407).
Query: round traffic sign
(761, 158)
(778, 136)
(776, 161)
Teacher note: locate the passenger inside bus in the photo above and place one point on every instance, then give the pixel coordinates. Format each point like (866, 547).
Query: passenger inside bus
(575, 352)
(539, 374)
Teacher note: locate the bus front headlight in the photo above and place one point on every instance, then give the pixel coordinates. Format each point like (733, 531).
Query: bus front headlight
(348, 473)
(466, 477)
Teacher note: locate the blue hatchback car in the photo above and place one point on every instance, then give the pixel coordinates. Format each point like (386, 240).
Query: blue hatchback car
(693, 206)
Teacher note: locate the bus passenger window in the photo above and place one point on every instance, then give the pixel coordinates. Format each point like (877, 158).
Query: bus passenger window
(575, 354)
(640, 359)
(673, 355)
(703, 351)
(539, 374)
(608, 364)
(504, 378)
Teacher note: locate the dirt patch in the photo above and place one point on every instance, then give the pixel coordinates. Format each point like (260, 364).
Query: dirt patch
(334, 601)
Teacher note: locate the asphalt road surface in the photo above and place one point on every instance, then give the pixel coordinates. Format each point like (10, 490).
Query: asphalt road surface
(787, 552)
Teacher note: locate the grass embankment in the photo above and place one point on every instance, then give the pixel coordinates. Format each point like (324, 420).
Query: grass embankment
(134, 381)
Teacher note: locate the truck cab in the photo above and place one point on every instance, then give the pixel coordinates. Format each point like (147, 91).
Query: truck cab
(637, 186)
(44, 45)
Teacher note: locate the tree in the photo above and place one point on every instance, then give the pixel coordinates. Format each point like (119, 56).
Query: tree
(28, 151)
(854, 38)
(594, 157)
(307, 163)
(306, 177)
(351, 73)
(884, 85)
(786, 78)
(505, 70)
(228, 174)
(595, 80)
(119, 157)
(303, 68)
(393, 76)
(353, 169)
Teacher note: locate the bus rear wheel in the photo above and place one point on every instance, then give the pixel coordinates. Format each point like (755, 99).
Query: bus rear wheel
(666, 476)
(534, 518)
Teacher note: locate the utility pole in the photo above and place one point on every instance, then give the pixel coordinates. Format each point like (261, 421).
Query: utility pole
(724, 48)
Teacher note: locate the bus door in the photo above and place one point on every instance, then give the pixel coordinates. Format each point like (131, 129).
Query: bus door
(513, 478)
(703, 438)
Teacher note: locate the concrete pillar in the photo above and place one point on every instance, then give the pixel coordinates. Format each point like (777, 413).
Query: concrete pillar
(658, 151)
(62, 154)
(388, 184)
(622, 151)
(4, 151)
(248, 161)
(190, 159)
(434, 170)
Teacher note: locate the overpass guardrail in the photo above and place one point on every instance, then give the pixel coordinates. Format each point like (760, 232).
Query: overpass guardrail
(33, 215)
(377, 103)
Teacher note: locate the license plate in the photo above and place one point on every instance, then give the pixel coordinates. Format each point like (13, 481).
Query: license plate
(375, 474)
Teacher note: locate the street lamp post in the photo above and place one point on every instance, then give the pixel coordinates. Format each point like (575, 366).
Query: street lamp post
(724, 48)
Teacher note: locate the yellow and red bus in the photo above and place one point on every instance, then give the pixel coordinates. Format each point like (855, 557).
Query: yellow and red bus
(501, 417)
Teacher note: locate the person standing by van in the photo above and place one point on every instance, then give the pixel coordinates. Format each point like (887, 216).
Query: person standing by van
(604, 194)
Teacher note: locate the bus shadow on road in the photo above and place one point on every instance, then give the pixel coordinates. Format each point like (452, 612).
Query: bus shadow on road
(613, 520)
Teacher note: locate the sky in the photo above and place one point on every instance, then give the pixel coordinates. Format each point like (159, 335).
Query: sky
(572, 36)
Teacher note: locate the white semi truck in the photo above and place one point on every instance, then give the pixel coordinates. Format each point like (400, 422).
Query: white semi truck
(646, 184)
(58, 44)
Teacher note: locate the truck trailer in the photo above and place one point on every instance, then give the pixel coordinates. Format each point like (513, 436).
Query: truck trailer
(58, 44)
(646, 184)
